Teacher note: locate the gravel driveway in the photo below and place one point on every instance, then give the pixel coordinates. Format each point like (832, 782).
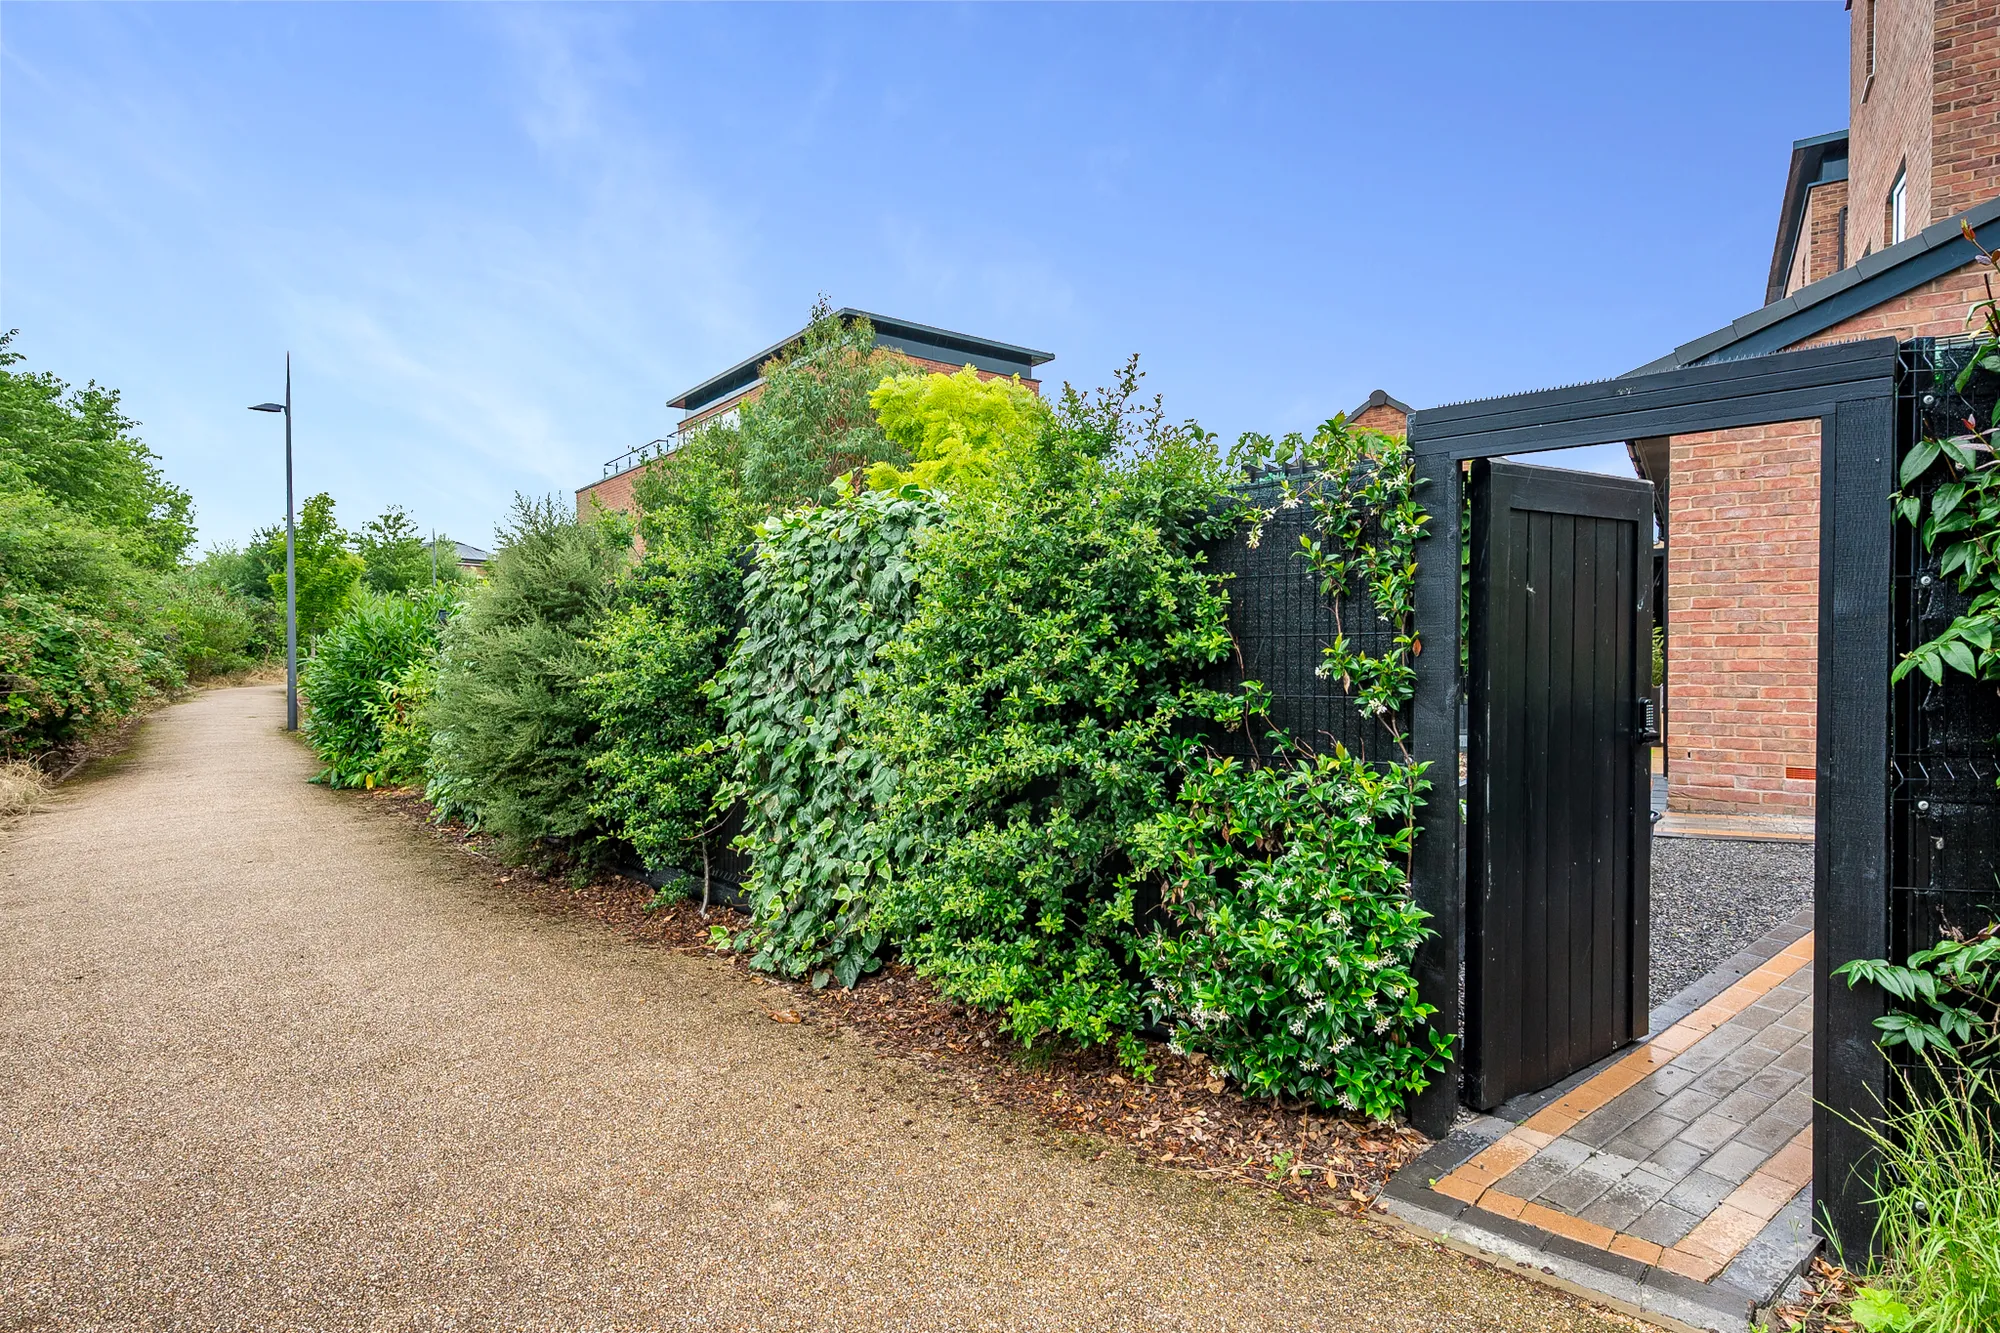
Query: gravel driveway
(272, 1060)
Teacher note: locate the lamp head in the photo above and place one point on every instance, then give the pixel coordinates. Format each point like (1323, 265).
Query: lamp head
(268, 407)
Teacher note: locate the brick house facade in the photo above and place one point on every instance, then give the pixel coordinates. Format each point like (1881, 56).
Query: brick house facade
(940, 351)
(1740, 508)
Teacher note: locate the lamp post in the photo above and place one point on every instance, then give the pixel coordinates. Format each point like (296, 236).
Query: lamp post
(291, 569)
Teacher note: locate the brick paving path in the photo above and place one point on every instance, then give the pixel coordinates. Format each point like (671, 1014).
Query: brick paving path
(1691, 1156)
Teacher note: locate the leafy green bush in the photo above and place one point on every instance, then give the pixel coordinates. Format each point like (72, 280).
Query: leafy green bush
(405, 756)
(348, 686)
(216, 630)
(63, 671)
(1949, 993)
(512, 732)
(395, 557)
(830, 586)
(661, 767)
(1063, 622)
(76, 447)
(1964, 509)
(1292, 933)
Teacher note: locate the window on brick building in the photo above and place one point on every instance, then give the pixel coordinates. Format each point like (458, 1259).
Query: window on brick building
(1899, 210)
(1868, 39)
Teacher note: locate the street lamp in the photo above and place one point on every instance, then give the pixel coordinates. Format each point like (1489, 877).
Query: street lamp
(291, 573)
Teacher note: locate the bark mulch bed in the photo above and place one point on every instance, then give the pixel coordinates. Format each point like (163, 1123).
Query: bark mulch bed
(1186, 1118)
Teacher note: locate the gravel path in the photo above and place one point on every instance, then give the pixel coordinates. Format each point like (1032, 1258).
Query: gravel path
(270, 1059)
(1714, 896)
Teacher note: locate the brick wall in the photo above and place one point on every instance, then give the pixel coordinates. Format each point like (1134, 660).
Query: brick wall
(612, 493)
(1385, 417)
(1825, 216)
(1965, 106)
(1889, 119)
(1742, 619)
(1743, 590)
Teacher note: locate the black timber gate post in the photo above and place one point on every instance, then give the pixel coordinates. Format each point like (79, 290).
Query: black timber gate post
(1850, 390)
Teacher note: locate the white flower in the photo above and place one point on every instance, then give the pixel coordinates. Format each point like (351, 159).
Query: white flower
(1342, 1044)
(1347, 1100)
(1382, 1023)
(1298, 1026)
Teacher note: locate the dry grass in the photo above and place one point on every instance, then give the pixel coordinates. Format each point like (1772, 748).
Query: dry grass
(22, 787)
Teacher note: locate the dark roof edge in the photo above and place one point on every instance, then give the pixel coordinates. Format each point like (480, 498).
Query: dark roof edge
(1936, 250)
(1807, 170)
(978, 350)
(1380, 398)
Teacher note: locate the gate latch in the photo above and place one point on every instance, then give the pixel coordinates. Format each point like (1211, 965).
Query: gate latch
(1648, 722)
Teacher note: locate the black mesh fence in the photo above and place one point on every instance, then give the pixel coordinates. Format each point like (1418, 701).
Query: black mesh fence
(1945, 795)
(1282, 623)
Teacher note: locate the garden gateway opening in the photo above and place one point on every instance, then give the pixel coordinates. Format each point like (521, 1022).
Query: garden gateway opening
(1546, 995)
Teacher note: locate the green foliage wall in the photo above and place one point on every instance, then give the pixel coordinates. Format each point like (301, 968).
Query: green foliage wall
(511, 726)
(1062, 624)
(830, 586)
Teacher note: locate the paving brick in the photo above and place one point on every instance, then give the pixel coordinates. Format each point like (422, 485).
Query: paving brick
(1646, 1135)
(1709, 1132)
(1607, 1123)
(1699, 1192)
(1744, 1105)
(1663, 1224)
(1774, 1082)
(1575, 1191)
(1773, 1130)
(1622, 1204)
(1543, 1170)
(1688, 1104)
(1736, 1161)
(1677, 1158)
(1797, 1060)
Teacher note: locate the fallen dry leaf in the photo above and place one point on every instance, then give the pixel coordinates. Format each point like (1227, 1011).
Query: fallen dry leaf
(786, 1016)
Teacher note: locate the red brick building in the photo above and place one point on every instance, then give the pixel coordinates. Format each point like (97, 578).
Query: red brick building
(1383, 413)
(1868, 244)
(723, 394)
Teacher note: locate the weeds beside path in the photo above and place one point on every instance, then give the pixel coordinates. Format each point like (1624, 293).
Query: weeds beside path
(276, 1059)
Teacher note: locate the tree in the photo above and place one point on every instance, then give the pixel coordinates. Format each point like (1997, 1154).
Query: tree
(76, 447)
(955, 427)
(326, 569)
(398, 558)
(512, 729)
(813, 421)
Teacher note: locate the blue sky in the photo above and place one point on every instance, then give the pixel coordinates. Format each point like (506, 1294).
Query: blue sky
(497, 238)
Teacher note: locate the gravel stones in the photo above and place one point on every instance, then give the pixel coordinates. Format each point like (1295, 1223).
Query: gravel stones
(1714, 896)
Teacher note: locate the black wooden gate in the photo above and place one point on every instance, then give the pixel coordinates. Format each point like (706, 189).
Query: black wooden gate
(1557, 798)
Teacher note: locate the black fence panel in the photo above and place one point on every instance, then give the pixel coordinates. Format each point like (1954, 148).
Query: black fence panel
(1282, 623)
(1946, 768)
